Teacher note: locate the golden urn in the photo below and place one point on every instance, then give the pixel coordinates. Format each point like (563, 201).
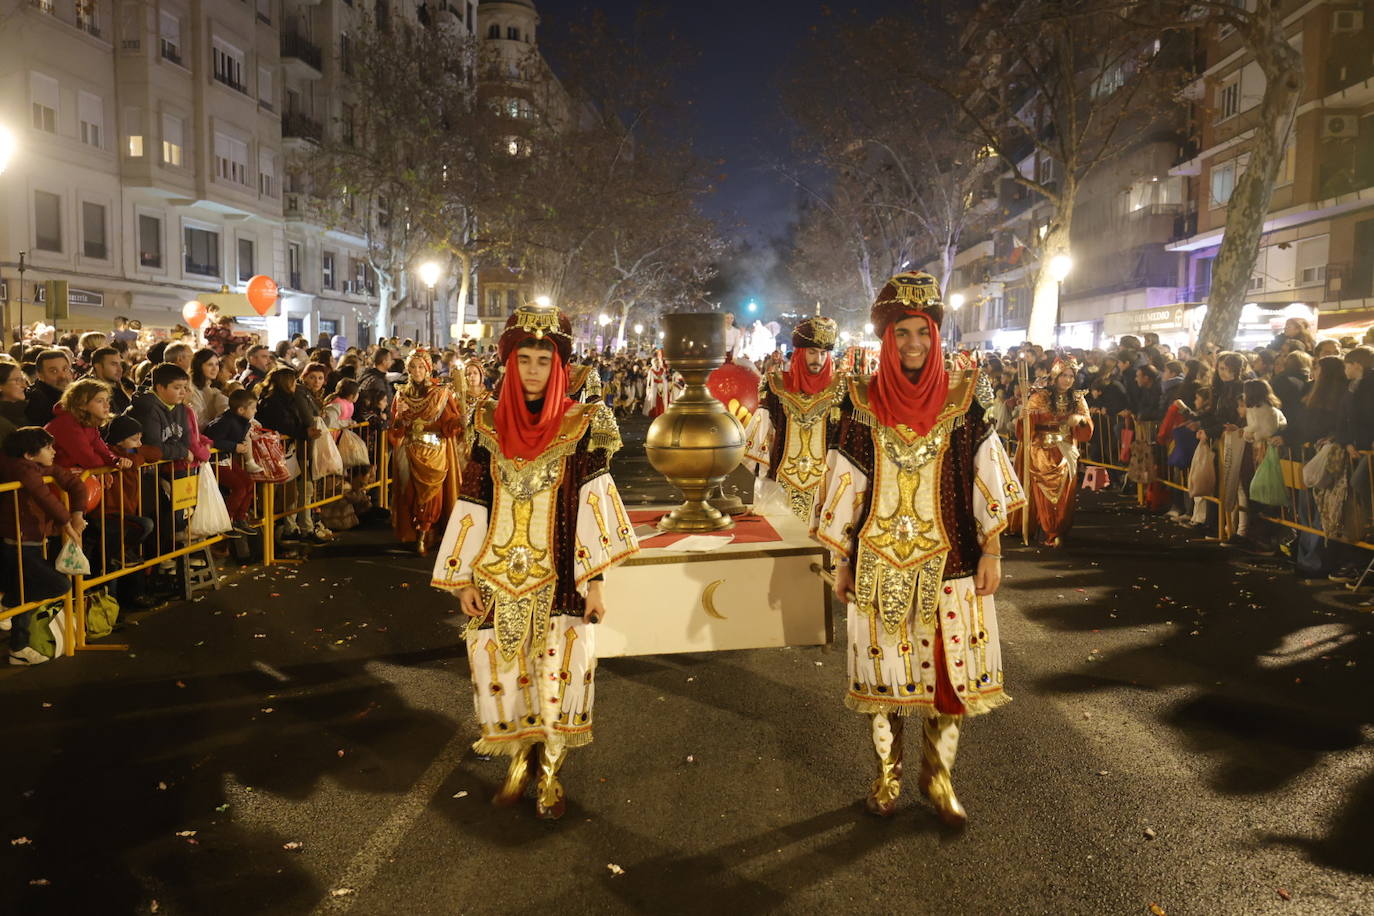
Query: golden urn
(695, 443)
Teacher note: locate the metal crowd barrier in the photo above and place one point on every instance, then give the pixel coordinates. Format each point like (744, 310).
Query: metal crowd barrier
(141, 522)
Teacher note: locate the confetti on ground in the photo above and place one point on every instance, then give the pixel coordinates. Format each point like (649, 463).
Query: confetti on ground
(186, 833)
(462, 794)
(21, 841)
(293, 846)
(1150, 833)
(341, 892)
(615, 869)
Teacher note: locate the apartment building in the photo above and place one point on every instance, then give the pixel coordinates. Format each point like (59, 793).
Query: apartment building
(158, 151)
(1317, 253)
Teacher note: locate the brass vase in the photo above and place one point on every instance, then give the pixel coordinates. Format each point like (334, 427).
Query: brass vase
(695, 443)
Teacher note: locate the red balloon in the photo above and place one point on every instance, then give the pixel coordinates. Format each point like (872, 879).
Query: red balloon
(262, 293)
(194, 313)
(735, 382)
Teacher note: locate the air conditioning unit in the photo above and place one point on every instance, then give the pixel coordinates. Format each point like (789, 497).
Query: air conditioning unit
(1340, 126)
(1347, 21)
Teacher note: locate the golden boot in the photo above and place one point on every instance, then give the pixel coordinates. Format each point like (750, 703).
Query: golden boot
(939, 744)
(517, 779)
(887, 747)
(549, 802)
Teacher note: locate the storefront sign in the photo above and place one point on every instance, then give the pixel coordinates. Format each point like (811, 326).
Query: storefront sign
(84, 297)
(1140, 321)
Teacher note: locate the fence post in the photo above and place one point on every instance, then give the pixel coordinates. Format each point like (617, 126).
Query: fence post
(269, 525)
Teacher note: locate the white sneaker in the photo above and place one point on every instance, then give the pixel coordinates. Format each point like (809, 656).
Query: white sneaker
(28, 656)
(5, 625)
(321, 531)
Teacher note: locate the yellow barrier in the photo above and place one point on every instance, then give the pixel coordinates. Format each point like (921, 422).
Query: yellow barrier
(163, 491)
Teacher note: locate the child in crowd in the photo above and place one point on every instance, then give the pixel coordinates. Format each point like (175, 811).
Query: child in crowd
(123, 502)
(229, 434)
(169, 426)
(26, 575)
(75, 427)
(1263, 421)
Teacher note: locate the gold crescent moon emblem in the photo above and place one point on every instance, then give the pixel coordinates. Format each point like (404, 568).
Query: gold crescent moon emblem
(708, 599)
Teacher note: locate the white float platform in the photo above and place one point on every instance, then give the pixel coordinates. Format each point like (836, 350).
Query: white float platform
(764, 595)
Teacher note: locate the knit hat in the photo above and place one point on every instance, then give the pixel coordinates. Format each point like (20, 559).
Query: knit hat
(121, 428)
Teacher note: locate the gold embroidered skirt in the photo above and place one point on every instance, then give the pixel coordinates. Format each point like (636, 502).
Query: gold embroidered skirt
(898, 671)
(543, 694)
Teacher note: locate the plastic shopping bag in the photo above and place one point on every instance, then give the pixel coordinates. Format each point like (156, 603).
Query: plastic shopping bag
(324, 454)
(1315, 473)
(211, 516)
(269, 454)
(71, 561)
(1267, 485)
(1202, 473)
(353, 450)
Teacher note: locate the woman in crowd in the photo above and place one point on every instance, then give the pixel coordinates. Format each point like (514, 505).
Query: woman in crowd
(12, 401)
(206, 400)
(1316, 424)
(1291, 383)
(279, 410)
(1222, 427)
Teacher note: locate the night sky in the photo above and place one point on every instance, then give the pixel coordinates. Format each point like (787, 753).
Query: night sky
(743, 45)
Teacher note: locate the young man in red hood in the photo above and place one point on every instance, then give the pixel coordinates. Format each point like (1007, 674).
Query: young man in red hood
(916, 495)
(537, 524)
(786, 440)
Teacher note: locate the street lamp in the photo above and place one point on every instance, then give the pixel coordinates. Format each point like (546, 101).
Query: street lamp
(1060, 266)
(868, 329)
(8, 144)
(429, 275)
(956, 301)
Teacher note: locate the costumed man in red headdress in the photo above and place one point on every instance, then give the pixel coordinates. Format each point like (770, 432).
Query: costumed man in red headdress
(1059, 420)
(916, 496)
(537, 525)
(785, 442)
(425, 433)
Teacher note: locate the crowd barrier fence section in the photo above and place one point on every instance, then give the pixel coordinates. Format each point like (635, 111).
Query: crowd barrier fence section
(1107, 449)
(139, 519)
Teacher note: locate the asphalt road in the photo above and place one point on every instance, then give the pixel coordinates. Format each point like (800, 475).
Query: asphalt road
(1187, 733)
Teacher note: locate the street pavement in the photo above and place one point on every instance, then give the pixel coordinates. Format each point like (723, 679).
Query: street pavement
(1191, 732)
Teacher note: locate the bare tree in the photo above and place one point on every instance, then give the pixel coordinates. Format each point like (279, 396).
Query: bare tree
(391, 170)
(1064, 85)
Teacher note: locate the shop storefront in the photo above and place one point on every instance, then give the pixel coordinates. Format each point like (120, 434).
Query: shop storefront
(1173, 323)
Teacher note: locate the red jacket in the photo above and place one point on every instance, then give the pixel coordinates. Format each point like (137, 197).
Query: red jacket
(41, 512)
(78, 446)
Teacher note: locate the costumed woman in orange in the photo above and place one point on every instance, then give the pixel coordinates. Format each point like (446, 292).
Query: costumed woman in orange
(425, 431)
(1059, 421)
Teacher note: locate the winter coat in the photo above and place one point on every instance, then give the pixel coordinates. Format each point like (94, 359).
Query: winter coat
(227, 431)
(78, 446)
(281, 412)
(41, 398)
(41, 513)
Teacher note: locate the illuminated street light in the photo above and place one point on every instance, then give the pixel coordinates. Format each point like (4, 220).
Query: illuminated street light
(1060, 267)
(603, 319)
(956, 301)
(844, 336)
(753, 306)
(8, 144)
(868, 329)
(429, 273)
(639, 329)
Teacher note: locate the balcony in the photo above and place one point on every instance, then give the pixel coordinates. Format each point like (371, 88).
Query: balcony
(300, 57)
(1347, 281)
(171, 53)
(228, 79)
(298, 127)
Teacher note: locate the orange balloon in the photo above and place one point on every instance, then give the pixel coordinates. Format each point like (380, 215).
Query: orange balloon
(194, 313)
(262, 293)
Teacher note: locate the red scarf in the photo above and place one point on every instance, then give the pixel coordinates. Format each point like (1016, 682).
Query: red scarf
(895, 398)
(521, 433)
(800, 379)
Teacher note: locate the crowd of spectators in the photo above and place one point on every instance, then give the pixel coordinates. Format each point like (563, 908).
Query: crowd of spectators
(1303, 396)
